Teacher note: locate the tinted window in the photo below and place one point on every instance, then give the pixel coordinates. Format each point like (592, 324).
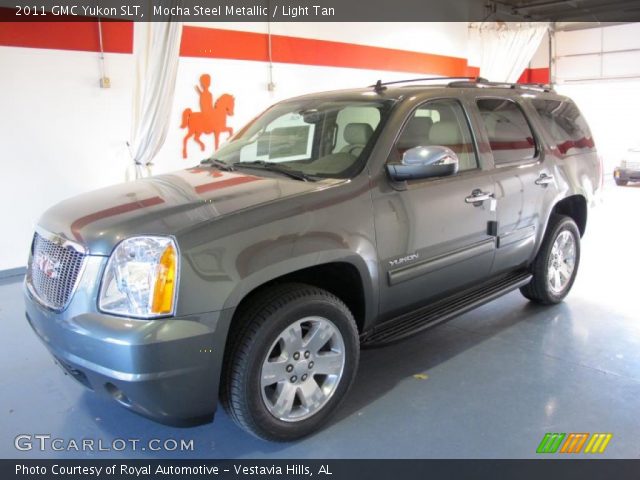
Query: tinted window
(509, 133)
(443, 123)
(566, 125)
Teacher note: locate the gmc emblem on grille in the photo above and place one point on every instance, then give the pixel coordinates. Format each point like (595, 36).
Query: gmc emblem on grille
(48, 267)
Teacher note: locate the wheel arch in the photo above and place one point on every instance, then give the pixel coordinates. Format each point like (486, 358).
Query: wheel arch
(348, 278)
(575, 207)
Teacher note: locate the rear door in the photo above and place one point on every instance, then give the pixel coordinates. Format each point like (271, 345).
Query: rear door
(522, 178)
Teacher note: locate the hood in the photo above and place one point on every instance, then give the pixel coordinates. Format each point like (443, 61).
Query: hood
(164, 205)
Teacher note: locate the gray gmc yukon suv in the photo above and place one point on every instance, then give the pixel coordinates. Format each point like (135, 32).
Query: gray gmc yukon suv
(331, 221)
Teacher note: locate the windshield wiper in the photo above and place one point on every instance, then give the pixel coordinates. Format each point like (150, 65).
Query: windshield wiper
(274, 167)
(219, 164)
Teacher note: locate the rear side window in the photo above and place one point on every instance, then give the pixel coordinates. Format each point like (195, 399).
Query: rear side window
(566, 126)
(510, 135)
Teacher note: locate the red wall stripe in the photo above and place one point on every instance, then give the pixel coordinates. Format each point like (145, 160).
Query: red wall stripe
(472, 71)
(535, 75)
(83, 36)
(219, 43)
(229, 44)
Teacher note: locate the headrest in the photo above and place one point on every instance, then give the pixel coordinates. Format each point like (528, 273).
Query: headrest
(357, 133)
(445, 133)
(416, 132)
(446, 114)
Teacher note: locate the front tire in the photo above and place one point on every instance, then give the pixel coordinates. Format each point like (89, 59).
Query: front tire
(291, 363)
(621, 183)
(556, 264)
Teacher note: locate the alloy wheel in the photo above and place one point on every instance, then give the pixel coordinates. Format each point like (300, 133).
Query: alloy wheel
(302, 369)
(562, 261)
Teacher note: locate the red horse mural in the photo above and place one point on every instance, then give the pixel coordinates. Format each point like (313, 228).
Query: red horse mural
(212, 118)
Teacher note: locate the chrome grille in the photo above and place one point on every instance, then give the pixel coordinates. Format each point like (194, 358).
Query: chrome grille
(54, 270)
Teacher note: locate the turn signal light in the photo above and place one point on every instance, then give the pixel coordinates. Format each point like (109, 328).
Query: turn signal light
(165, 282)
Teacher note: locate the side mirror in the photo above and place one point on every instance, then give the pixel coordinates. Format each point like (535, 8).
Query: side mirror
(425, 162)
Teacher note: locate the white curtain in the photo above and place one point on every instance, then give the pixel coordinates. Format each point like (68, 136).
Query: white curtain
(156, 48)
(505, 49)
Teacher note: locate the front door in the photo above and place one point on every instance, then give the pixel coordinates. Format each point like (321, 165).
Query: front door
(432, 234)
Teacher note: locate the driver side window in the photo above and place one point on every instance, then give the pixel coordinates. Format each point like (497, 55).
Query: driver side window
(442, 123)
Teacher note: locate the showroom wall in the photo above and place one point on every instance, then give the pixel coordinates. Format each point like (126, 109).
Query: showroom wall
(600, 69)
(538, 70)
(63, 135)
(307, 57)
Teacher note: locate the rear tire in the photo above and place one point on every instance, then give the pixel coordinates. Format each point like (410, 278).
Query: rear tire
(291, 362)
(556, 264)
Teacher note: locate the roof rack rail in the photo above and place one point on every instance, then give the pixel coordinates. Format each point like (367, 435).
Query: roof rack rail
(467, 82)
(381, 86)
(540, 87)
(545, 87)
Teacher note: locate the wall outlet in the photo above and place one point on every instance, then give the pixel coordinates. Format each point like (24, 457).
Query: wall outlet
(105, 82)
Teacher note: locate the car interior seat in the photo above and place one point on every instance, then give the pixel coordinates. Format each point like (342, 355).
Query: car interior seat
(356, 135)
(447, 134)
(415, 134)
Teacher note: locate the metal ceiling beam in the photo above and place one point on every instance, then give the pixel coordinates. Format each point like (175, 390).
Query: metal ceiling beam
(560, 9)
(587, 26)
(557, 15)
(551, 3)
(554, 10)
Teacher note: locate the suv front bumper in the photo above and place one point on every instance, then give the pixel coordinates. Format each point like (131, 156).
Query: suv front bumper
(165, 369)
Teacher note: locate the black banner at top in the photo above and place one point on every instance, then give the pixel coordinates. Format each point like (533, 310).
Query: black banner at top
(321, 10)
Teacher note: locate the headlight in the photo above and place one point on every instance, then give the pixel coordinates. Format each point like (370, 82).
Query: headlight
(140, 278)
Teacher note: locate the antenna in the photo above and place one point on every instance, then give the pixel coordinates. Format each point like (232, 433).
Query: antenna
(379, 87)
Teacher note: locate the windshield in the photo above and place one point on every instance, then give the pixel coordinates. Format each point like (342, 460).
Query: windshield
(320, 138)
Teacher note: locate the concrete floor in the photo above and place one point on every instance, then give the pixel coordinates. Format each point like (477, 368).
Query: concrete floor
(499, 377)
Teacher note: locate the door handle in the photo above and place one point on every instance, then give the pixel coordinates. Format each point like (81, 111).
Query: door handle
(544, 180)
(478, 196)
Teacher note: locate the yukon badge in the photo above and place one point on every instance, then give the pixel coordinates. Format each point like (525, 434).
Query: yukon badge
(401, 260)
(48, 267)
